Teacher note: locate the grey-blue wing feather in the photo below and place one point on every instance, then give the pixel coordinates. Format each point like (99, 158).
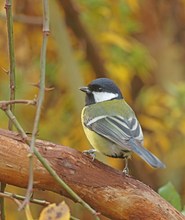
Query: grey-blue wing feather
(117, 129)
(125, 133)
(109, 131)
(146, 155)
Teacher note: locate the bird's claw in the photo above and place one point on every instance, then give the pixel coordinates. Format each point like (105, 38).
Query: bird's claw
(126, 171)
(90, 152)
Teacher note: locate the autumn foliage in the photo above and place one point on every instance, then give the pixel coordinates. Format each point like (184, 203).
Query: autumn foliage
(138, 44)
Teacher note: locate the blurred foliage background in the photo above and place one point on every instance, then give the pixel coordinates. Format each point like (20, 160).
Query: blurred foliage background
(137, 43)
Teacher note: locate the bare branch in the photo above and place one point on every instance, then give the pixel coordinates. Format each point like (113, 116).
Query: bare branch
(9, 21)
(16, 197)
(8, 8)
(4, 104)
(40, 100)
(6, 195)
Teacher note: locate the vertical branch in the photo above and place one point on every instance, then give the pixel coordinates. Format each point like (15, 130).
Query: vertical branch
(9, 18)
(40, 100)
(42, 75)
(2, 206)
(8, 8)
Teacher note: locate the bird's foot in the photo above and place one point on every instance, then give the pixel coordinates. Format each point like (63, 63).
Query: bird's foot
(90, 152)
(126, 171)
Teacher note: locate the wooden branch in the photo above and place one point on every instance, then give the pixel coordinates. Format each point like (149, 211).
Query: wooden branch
(107, 190)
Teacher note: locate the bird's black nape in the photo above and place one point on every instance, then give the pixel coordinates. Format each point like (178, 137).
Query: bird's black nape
(105, 85)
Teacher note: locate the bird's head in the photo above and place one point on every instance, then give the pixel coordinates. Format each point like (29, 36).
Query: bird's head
(100, 90)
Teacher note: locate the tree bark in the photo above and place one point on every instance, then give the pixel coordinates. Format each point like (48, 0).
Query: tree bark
(107, 190)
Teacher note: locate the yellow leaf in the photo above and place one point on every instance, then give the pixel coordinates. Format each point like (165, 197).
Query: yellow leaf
(55, 212)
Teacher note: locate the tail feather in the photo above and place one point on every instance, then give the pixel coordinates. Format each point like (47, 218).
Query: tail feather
(147, 156)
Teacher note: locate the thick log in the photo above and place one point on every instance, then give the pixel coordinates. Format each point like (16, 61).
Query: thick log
(107, 190)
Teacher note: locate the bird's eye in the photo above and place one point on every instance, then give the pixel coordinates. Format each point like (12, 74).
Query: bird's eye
(96, 88)
(100, 89)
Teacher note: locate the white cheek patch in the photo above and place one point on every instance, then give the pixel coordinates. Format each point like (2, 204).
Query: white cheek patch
(104, 96)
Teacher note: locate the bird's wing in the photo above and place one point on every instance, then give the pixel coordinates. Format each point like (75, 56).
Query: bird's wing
(124, 132)
(116, 128)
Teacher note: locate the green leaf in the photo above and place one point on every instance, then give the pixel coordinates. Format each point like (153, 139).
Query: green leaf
(169, 193)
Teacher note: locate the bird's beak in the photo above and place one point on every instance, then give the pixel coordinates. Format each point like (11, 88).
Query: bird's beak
(85, 89)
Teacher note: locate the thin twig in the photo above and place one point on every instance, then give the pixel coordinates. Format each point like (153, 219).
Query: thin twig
(9, 19)
(8, 8)
(9, 196)
(2, 202)
(17, 125)
(19, 197)
(4, 104)
(40, 101)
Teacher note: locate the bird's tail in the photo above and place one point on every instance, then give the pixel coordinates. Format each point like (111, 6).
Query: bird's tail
(151, 159)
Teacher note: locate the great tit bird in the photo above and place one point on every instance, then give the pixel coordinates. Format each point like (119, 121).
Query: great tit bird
(111, 125)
